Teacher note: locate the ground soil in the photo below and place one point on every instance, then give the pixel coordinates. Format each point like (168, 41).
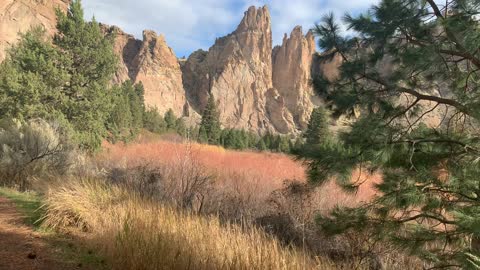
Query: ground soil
(22, 248)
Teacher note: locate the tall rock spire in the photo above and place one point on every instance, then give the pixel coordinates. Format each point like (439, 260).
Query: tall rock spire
(237, 71)
(292, 63)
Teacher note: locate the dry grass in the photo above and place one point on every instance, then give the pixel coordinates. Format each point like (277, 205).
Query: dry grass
(133, 233)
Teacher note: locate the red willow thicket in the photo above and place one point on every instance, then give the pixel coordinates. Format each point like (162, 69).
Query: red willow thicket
(259, 173)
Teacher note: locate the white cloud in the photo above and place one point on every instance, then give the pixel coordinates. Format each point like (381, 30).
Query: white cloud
(192, 24)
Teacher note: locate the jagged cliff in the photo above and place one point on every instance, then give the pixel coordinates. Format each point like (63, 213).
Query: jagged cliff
(154, 64)
(292, 66)
(237, 70)
(257, 87)
(18, 16)
(157, 67)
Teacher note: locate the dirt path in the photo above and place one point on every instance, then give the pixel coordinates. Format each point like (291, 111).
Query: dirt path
(21, 248)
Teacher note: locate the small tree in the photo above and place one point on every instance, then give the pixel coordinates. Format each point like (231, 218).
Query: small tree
(170, 120)
(283, 144)
(126, 117)
(317, 130)
(153, 121)
(261, 145)
(202, 135)
(210, 124)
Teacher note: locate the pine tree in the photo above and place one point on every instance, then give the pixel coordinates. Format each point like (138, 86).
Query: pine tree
(32, 79)
(298, 145)
(283, 144)
(202, 135)
(404, 55)
(120, 120)
(137, 106)
(181, 127)
(317, 130)
(210, 123)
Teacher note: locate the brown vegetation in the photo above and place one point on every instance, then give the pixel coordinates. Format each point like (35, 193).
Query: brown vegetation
(134, 233)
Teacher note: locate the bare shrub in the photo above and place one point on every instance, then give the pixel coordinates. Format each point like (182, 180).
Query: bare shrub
(32, 151)
(182, 182)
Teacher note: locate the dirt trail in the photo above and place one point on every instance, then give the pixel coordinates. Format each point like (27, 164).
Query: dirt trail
(21, 248)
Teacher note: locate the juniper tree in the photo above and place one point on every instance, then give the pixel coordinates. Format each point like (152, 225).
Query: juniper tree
(261, 145)
(66, 81)
(413, 69)
(90, 63)
(210, 125)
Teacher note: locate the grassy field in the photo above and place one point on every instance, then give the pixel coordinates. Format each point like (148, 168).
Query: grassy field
(133, 233)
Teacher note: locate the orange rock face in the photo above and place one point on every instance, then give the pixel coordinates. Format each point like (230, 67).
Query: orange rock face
(292, 65)
(157, 67)
(154, 64)
(254, 92)
(18, 16)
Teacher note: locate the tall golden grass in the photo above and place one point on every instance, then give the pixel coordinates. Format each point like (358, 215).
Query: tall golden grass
(133, 233)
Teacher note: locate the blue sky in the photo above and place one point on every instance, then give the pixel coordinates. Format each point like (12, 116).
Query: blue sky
(189, 25)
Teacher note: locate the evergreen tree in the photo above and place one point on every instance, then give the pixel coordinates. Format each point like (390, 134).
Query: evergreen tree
(283, 144)
(67, 81)
(181, 127)
(269, 140)
(202, 135)
(405, 54)
(210, 123)
(153, 121)
(298, 145)
(120, 120)
(262, 146)
(137, 106)
(170, 119)
(90, 63)
(32, 79)
(126, 118)
(317, 130)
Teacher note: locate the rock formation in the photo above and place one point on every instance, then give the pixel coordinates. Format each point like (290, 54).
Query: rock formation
(237, 70)
(18, 16)
(257, 88)
(127, 48)
(292, 65)
(155, 65)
